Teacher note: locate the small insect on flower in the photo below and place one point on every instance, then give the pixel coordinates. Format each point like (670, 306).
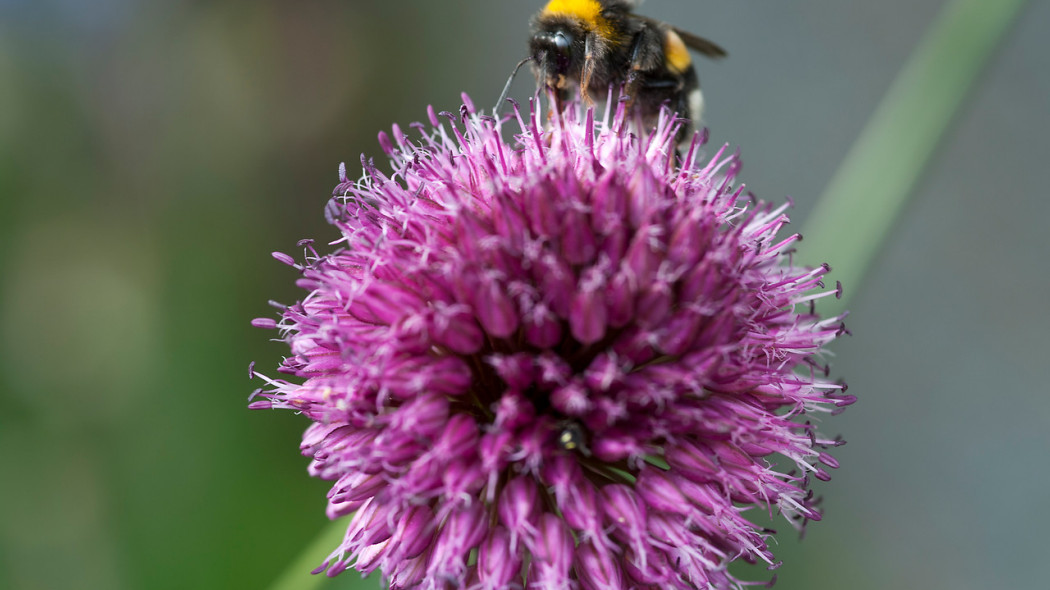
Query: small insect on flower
(560, 362)
(573, 438)
(590, 46)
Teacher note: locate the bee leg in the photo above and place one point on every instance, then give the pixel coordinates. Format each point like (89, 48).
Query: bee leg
(630, 87)
(589, 62)
(644, 59)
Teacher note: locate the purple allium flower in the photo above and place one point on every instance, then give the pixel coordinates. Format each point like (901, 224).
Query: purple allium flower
(559, 363)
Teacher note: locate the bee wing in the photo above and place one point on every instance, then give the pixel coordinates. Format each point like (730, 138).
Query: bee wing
(694, 42)
(629, 4)
(701, 45)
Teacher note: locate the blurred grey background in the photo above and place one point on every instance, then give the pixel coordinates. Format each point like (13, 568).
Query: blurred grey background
(153, 153)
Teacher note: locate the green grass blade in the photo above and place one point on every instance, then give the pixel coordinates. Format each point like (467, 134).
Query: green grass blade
(856, 211)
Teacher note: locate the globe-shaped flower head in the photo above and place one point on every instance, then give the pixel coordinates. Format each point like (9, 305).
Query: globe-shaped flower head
(562, 362)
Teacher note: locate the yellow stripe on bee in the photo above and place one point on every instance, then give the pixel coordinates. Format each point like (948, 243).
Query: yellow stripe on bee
(676, 53)
(589, 11)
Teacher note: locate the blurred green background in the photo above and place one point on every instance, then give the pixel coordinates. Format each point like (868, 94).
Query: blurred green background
(153, 153)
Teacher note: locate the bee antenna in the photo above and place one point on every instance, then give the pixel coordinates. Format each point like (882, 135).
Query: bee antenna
(506, 88)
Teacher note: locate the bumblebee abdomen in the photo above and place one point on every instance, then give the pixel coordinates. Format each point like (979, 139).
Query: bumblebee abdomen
(676, 54)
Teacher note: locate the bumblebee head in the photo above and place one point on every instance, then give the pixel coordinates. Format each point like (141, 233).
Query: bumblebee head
(557, 50)
(565, 32)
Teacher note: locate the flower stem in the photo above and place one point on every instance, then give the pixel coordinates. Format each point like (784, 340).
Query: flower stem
(855, 213)
(296, 576)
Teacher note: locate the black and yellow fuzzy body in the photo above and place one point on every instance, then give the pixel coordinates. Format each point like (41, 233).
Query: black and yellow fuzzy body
(588, 46)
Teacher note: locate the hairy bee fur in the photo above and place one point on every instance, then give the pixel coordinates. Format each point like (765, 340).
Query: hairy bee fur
(590, 46)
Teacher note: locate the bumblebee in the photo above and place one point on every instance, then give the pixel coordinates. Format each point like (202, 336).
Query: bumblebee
(588, 46)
